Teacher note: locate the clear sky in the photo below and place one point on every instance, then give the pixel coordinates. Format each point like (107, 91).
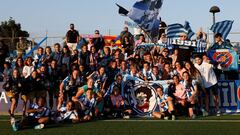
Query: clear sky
(54, 16)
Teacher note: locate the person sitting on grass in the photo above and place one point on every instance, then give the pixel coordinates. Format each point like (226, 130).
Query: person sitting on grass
(38, 116)
(68, 113)
(87, 104)
(161, 110)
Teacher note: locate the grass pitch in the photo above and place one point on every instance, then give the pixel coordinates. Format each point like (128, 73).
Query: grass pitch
(224, 125)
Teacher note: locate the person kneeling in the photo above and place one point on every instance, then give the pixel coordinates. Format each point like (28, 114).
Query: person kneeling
(117, 103)
(87, 104)
(161, 110)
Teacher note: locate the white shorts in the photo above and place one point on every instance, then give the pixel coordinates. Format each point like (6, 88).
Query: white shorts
(72, 46)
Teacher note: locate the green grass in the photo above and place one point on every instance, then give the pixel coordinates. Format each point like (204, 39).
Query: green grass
(139, 127)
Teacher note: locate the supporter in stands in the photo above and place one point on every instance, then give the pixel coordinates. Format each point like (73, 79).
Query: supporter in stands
(161, 110)
(191, 92)
(28, 67)
(92, 59)
(57, 55)
(19, 65)
(126, 33)
(7, 72)
(66, 56)
(179, 69)
(98, 41)
(168, 72)
(209, 81)
(117, 103)
(83, 55)
(140, 40)
(47, 56)
(165, 54)
(72, 38)
(38, 58)
(220, 44)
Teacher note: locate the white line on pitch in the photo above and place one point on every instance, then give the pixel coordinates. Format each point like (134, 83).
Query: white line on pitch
(223, 121)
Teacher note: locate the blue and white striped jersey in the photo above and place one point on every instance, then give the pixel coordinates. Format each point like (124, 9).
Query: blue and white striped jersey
(162, 100)
(190, 88)
(89, 104)
(44, 113)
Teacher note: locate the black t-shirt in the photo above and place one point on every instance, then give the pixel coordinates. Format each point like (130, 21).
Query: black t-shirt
(72, 36)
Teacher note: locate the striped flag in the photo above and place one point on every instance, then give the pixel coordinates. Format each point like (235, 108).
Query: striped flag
(223, 27)
(145, 14)
(187, 26)
(175, 30)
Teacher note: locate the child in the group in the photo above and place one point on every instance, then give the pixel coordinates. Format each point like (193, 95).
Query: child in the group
(117, 102)
(68, 113)
(162, 107)
(38, 116)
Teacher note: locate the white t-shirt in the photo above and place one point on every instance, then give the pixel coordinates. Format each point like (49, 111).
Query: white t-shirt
(207, 73)
(27, 70)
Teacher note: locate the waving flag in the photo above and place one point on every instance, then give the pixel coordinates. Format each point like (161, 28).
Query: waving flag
(122, 11)
(223, 27)
(187, 26)
(175, 30)
(131, 25)
(145, 14)
(225, 57)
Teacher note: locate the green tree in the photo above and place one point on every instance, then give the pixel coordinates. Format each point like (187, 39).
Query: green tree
(9, 31)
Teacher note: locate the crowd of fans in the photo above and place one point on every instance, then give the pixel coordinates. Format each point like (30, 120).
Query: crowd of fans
(85, 84)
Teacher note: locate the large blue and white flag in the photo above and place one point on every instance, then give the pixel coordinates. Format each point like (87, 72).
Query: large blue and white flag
(131, 25)
(223, 27)
(187, 26)
(175, 30)
(145, 14)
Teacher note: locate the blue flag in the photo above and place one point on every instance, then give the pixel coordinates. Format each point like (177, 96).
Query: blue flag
(227, 58)
(187, 26)
(175, 30)
(223, 27)
(145, 14)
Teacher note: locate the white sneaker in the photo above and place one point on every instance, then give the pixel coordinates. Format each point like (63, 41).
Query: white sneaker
(193, 116)
(166, 118)
(173, 117)
(14, 127)
(12, 120)
(40, 126)
(126, 117)
(205, 113)
(218, 113)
